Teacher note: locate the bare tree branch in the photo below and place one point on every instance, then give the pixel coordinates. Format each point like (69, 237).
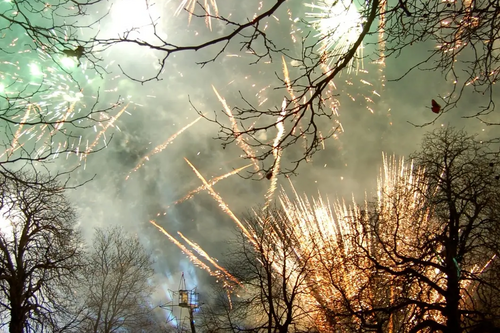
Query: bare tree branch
(466, 34)
(40, 254)
(42, 118)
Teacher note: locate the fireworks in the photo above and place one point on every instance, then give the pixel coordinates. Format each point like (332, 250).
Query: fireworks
(227, 279)
(339, 25)
(109, 122)
(208, 7)
(44, 104)
(221, 273)
(277, 153)
(240, 140)
(161, 147)
(211, 183)
(219, 200)
(338, 245)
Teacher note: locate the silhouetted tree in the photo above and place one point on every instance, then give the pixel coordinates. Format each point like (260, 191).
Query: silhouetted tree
(423, 257)
(273, 283)
(116, 284)
(40, 254)
(433, 237)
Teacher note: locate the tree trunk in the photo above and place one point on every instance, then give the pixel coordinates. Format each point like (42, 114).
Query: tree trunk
(16, 326)
(17, 314)
(453, 288)
(17, 321)
(452, 304)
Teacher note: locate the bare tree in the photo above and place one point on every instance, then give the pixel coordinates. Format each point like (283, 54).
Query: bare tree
(40, 254)
(423, 257)
(43, 109)
(462, 176)
(116, 286)
(433, 237)
(271, 298)
(466, 33)
(222, 313)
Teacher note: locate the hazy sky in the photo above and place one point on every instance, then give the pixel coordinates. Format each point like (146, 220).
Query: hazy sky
(159, 109)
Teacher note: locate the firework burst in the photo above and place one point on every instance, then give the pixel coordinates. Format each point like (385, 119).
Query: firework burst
(341, 247)
(339, 25)
(44, 103)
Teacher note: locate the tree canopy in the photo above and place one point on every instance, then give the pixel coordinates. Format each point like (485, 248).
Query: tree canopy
(40, 254)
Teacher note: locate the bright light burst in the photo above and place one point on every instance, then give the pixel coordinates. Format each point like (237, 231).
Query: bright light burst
(339, 25)
(133, 16)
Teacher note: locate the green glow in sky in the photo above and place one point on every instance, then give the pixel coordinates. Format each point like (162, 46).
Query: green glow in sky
(35, 70)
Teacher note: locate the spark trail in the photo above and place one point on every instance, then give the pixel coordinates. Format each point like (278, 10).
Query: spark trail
(208, 6)
(219, 274)
(277, 152)
(211, 183)
(109, 123)
(219, 200)
(240, 141)
(211, 260)
(15, 140)
(161, 147)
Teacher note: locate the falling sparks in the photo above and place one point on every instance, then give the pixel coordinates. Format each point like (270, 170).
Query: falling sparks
(208, 6)
(211, 260)
(218, 198)
(44, 103)
(333, 244)
(15, 140)
(240, 141)
(161, 147)
(277, 152)
(211, 183)
(339, 25)
(220, 274)
(107, 124)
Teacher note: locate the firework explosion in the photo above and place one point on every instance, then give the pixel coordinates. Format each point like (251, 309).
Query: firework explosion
(45, 101)
(339, 25)
(337, 245)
